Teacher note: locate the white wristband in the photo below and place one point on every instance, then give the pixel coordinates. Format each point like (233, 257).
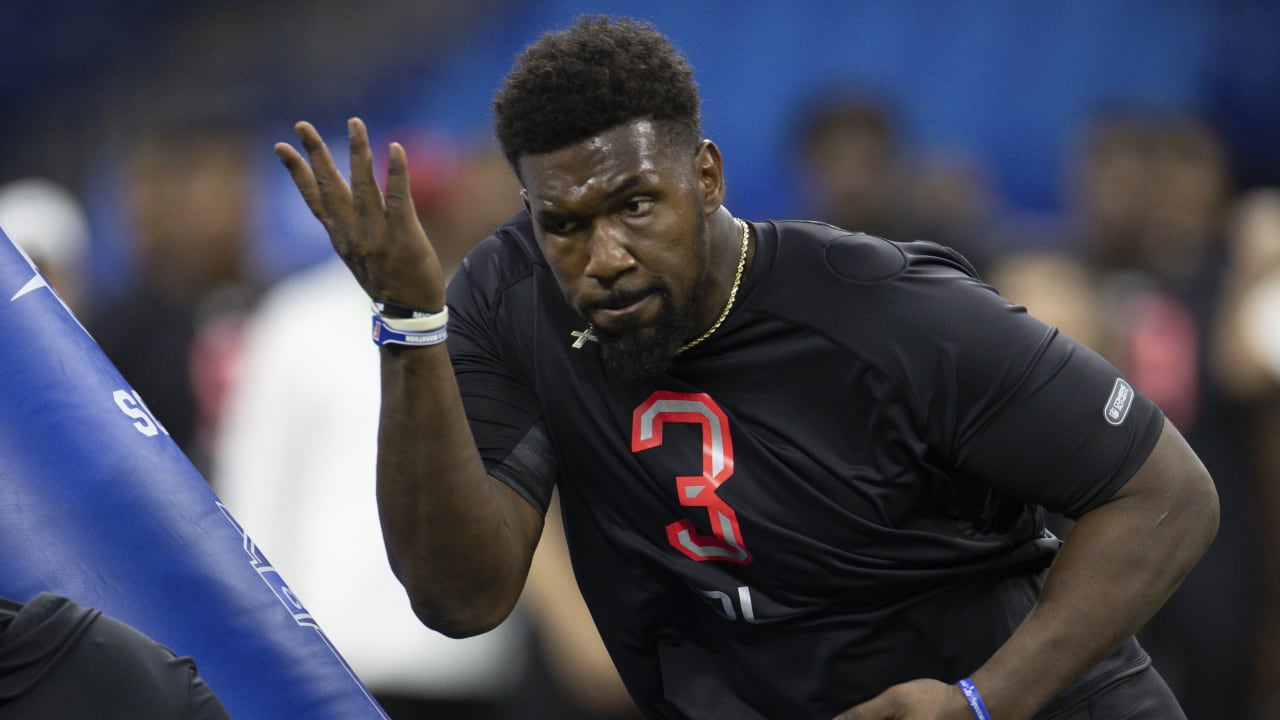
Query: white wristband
(423, 324)
(384, 333)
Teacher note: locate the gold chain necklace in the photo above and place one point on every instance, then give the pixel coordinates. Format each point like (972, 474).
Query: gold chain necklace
(733, 291)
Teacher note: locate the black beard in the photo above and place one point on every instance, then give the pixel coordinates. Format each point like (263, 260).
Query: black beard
(649, 352)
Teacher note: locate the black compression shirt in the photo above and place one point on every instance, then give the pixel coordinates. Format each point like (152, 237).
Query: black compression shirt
(840, 490)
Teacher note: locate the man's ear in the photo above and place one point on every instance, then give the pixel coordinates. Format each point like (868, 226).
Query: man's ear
(524, 197)
(708, 168)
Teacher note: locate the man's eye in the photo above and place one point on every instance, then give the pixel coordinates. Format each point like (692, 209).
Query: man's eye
(561, 227)
(638, 206)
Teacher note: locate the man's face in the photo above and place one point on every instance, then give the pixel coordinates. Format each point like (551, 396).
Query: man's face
(621, 220)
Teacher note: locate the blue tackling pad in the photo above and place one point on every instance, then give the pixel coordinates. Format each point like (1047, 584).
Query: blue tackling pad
(98, 504)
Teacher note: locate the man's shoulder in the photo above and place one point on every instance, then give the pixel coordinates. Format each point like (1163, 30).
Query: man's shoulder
(509, 252)
(857, 257)
(874, 296)
(505, 270)
(852, 277)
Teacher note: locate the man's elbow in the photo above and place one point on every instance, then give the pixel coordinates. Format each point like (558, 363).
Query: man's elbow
(459, 616)
(1176, 486)
(1200, 498)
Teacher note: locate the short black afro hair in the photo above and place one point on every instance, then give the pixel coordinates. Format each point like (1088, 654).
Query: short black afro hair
(599, 73)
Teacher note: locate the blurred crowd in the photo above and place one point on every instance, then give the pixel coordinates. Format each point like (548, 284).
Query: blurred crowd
(1157, 255)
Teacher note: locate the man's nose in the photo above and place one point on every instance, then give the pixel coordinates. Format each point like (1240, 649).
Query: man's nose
(610, 254)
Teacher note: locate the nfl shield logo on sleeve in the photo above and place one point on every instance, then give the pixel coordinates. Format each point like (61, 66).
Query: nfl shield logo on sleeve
(1117, 408)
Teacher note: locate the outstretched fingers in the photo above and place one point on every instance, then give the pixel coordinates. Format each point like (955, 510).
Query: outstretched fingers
(302, 176)
(382, 243)
(335, 196)
(366, 197)
(399, 199)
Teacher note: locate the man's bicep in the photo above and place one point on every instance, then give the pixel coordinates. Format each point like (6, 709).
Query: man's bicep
(1172, 468)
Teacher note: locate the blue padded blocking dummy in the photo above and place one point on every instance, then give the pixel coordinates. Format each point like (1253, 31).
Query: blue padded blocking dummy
(98, 504)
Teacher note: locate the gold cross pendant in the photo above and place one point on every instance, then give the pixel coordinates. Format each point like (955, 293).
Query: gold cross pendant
(582, 336)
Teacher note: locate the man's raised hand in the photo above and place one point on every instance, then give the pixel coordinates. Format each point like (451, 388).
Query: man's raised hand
(378, 237)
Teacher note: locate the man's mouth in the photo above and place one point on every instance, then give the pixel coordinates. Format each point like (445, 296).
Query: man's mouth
(620, 313)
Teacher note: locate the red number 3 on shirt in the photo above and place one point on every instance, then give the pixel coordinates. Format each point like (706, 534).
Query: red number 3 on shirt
(725, 543)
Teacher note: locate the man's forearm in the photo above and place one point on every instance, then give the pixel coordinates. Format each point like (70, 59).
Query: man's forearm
(1118, 566)
(458, 540)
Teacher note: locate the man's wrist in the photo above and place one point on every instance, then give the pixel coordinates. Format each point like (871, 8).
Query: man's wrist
(395, 311)
(974, 698)
(422, 331)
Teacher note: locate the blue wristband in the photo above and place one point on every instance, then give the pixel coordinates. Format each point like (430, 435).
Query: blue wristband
(385, 334)
(974, 698)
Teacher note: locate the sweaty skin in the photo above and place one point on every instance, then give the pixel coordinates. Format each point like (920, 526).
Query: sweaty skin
(616, 218)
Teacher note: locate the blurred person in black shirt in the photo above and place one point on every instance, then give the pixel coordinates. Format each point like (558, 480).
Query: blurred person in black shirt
(176, 333)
